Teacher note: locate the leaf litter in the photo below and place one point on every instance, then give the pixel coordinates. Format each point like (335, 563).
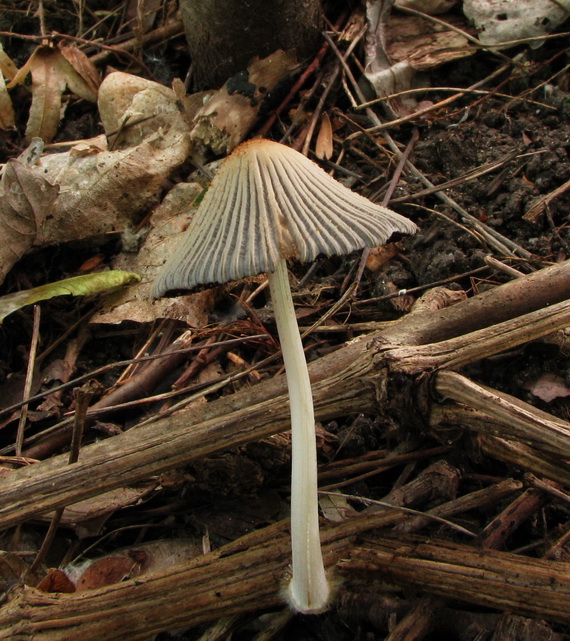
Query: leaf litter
(127, 193)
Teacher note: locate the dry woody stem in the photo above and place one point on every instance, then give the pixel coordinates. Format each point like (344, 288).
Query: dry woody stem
(244, 576)
(344, 382)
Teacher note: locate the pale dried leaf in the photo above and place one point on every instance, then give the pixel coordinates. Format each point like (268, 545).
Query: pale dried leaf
(7, 115)
(22, 72)
(53, 70)
(33, 152)
(102, 192)
(324, 144)
(336, 508)
(124, 97)
(548, 386)
(224, 121)
(88, 148)
(499, 21)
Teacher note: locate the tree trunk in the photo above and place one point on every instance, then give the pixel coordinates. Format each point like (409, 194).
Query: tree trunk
(224, 35)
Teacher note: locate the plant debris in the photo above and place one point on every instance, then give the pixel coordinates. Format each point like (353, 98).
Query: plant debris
(145, 449)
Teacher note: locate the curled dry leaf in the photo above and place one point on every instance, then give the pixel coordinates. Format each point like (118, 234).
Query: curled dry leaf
(379, 256)
(84, 80)
(56, 581)
(7, 70)
(48, 85)
(53, 70)
(132, 109)
(7, 66)
(336, 507)
(7, 115)
(224, 121)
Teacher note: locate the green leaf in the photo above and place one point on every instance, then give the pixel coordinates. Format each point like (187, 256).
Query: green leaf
(86, 285)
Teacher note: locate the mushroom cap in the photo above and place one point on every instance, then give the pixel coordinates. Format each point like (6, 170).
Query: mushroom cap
(268, 202)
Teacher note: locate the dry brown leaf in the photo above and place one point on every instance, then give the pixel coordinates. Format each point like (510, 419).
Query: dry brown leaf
(125, 99)
(7, 115)
(336, 508)
(378, 256)
(7, 70)
(83, 78)
(101, 193)
(111, 569)
(56, 581)
(223, 122)
(324, 145)
(7, 66)
(52, 72)
(48, 85)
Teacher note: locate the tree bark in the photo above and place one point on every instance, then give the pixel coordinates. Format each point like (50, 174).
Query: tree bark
(225, 35)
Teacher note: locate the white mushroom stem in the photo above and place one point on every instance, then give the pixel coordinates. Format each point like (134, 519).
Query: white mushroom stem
(308, 591)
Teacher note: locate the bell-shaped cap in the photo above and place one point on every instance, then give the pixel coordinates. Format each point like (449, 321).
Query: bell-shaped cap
(268, 202)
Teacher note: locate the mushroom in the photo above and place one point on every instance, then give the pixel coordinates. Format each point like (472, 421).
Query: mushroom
(268, 203)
